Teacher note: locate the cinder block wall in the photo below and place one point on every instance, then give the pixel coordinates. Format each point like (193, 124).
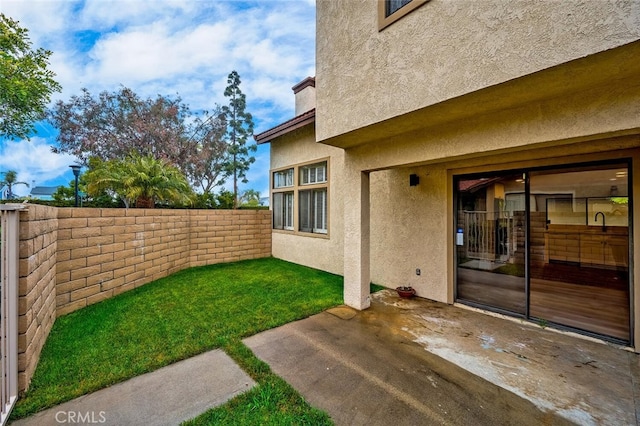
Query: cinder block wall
(229, 235)
(104, 252)
(74, 257)
(37, 286)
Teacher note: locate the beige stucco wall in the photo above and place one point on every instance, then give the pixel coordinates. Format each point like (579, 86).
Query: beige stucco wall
(547, 132)
(316, 251)
(420, 235)
(305, 100)
(452, 88)
(409, 230)
(611, 109)
(412, 227)
(446, 49)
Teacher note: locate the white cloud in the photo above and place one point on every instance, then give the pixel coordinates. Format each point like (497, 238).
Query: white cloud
(105, 14)
(34, 161)
(167, 47)
(151, 53)
(43, 18)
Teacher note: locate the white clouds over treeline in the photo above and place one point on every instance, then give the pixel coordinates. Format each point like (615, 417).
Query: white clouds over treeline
(169, 47)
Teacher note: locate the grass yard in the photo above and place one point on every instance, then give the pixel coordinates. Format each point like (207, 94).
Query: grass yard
(272, 402)
(179, 316)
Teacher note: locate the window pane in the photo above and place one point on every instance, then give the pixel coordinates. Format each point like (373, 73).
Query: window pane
(288, 211)
(277, 211)
(283, 178)
(320, 211)
(394, 5)
(305, 211)
(314, 173)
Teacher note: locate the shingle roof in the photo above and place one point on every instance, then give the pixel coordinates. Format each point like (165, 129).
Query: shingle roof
(43, 190)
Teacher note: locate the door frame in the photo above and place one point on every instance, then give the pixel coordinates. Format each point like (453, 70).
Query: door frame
(457, 176)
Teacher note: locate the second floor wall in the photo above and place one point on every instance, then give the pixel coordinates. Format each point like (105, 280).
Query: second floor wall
(446, 49)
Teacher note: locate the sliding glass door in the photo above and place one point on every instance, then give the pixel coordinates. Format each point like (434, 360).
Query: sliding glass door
(579, 245)
(551, 245)
(490, 241)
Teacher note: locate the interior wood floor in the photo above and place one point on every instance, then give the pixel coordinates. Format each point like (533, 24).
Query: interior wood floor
(595, 308)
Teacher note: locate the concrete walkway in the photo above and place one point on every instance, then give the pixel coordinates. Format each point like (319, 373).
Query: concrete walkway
(167, 396)
(401, 362)
(421, 362)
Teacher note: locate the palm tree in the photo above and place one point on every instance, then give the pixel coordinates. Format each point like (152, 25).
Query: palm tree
(10, 179)
(143, 180)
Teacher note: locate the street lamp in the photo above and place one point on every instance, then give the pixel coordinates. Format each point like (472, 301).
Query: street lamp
(76, 172)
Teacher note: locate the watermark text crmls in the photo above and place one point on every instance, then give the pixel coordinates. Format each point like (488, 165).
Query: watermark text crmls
(81, 417)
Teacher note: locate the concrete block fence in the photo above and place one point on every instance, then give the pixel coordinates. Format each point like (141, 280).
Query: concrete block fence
(74, 257)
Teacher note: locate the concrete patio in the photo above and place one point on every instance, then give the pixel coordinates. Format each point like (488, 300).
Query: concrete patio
(401, 362)
(422, 362)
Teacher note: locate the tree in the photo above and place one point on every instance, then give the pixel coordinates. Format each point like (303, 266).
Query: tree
(225, 199)
(144, 180)
(26, 85)
(10, 179)
(250, 198)
(207, 168)
(239, 130)
(65, 196)
(113, 125)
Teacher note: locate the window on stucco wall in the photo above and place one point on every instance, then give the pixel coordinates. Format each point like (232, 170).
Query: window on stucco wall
(389, 11)
(303, 189)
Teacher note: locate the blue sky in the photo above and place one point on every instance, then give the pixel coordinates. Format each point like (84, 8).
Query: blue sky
(166, 47)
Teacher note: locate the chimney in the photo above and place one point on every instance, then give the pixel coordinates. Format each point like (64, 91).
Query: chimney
(305, 92)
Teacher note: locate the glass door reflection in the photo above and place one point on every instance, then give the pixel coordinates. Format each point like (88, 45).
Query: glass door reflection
(579, 249)
(490, 241)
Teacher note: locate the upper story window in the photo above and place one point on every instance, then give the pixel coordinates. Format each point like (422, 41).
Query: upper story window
(283, 179)
(393, 6)
(390, 11)
(314, 173)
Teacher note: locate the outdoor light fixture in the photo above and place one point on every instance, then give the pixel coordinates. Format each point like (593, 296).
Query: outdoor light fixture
(414, 180)
(76, 172)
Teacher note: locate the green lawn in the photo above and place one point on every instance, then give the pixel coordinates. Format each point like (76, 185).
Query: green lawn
(176, 317)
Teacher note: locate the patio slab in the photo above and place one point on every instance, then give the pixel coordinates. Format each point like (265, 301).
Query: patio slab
(167, 396)
(422, 362)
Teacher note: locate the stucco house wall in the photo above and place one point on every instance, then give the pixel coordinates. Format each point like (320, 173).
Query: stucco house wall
(318, 251)
(445, 49)
(460, 87)
(454, 88)
(409, 230)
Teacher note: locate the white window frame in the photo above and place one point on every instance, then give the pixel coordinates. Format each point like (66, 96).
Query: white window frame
(283, 204)
(309, 174)
(315, 211)
(283, 178)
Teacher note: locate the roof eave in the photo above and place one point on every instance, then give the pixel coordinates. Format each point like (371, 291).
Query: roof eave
(289, 126)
